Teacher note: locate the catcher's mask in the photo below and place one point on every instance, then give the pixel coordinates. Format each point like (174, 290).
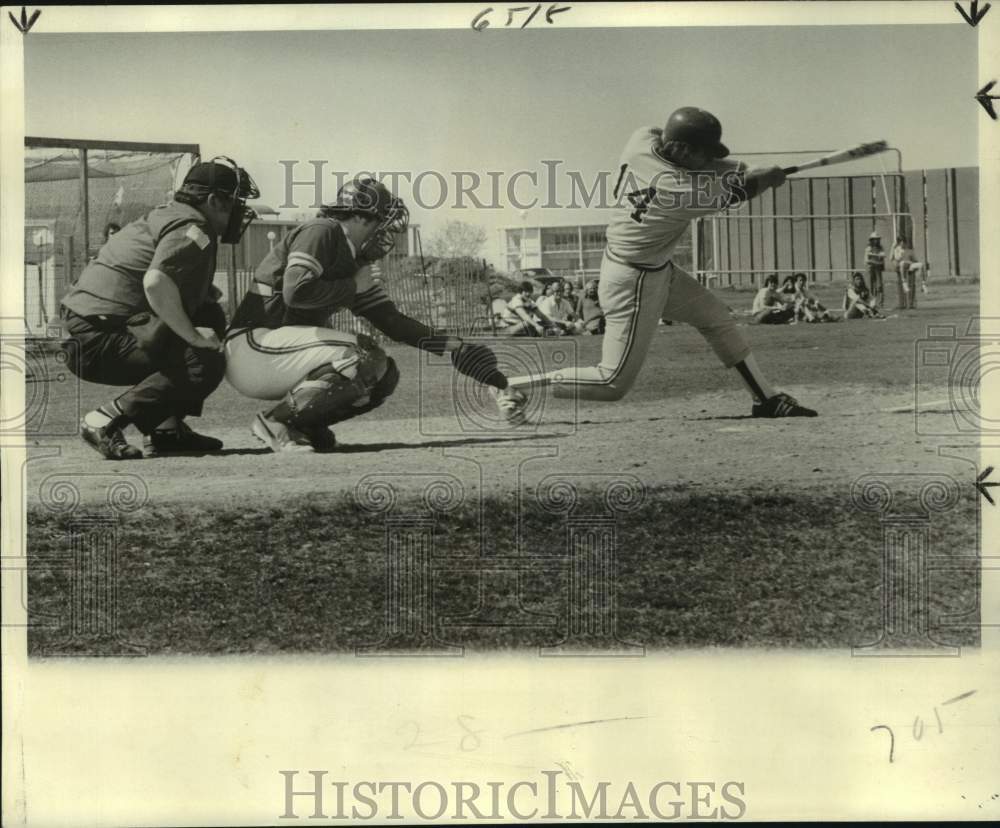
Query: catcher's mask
(225, 177)
(367, 197)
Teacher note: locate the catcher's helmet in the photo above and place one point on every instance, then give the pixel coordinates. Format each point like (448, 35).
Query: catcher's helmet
(696, 127)
(368, 197)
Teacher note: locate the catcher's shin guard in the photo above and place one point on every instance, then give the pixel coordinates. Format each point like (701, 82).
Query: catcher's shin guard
(327, 396)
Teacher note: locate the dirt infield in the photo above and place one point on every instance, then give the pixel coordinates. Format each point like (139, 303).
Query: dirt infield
(686, 423)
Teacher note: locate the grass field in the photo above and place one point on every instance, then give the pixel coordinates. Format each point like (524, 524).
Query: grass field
(741, 532)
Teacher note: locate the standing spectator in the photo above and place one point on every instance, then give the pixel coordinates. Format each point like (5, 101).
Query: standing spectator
(769, 308)
(588, 309)
(875, 261)
(907, 267)
(858, 302)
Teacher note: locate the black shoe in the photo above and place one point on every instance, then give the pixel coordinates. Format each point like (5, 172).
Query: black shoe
(180, 440)
(781, 405)
(109, 441)
(321, 438)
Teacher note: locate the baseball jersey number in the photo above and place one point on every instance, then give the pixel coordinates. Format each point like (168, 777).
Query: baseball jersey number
(640, 200)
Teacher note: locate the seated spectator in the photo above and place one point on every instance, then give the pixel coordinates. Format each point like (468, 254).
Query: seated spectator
(588, 309)
(788, 285)
(807, 307)
(558, 310)
(858, 300)
(769, 308)
(569, 292)
(522, 315)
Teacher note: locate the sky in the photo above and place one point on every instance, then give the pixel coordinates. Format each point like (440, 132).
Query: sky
(502, 101)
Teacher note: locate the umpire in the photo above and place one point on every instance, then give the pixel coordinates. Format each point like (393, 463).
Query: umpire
(144, 313)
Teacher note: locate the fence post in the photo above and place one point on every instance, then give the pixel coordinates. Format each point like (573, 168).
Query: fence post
(231, 287)
(923, 182)
(953, 175)
(85, 203)
(67, 265)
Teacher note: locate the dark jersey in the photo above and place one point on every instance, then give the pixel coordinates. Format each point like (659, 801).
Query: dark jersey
(305, 278)
(174, 238)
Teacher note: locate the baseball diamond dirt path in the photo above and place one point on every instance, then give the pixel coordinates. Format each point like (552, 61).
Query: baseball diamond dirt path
(684, 425)
(703, 442)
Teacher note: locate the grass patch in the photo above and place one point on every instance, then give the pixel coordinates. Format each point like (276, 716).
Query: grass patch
(752, 570)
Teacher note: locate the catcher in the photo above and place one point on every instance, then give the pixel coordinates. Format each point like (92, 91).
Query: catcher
(280, 347)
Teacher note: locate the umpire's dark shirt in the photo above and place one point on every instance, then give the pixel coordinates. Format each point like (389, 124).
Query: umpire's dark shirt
(174, 238)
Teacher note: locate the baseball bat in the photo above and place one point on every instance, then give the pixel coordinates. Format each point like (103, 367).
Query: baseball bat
(839, 157)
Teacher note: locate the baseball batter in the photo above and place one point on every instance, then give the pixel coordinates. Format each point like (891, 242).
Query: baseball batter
(280, 346)
(666, 178)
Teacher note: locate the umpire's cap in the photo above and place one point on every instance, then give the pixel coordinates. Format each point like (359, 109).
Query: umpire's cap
(213, 176)
(696, 127)
(220, 175)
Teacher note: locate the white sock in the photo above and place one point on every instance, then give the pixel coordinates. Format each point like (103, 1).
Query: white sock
(169, 424)
(758, 386)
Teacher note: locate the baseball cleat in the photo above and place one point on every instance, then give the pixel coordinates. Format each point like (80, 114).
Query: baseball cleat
(781, 405)
(511, 403)
(110, 442)
(180, 440)
(280, 437)
(320, 438)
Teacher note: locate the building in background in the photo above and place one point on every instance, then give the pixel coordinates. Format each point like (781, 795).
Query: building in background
(573, 251)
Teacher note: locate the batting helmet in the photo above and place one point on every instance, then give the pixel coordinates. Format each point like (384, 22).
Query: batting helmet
(874, 235)
(696, 127)
(368, 197)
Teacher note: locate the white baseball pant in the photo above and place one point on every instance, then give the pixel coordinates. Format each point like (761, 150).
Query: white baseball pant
(634, 300)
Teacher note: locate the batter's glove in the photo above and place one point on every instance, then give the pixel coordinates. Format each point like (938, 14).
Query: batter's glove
(478, 362)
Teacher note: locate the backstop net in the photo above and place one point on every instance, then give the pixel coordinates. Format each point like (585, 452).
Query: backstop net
(73, 191)
(817, 224)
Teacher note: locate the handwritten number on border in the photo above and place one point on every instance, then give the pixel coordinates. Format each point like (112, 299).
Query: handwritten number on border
(892, 738)
(481, 21)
